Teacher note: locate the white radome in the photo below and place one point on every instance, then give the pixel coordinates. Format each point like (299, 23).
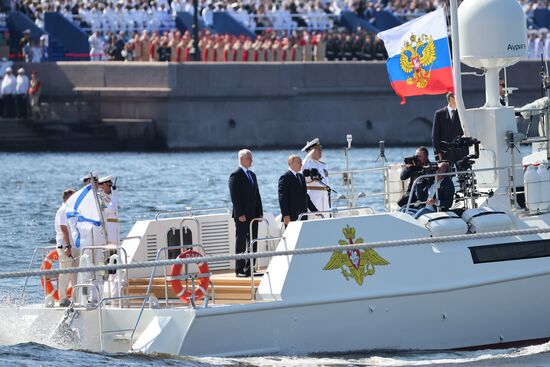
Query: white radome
(493, 33)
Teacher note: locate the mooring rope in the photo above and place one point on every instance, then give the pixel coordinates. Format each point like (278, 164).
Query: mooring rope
(257, 255)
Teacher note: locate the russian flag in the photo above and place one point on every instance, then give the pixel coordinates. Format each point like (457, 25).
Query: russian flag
(419, 58)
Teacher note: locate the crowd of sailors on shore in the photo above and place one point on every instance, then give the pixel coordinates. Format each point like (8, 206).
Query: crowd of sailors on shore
(271, 47)
(19, 94)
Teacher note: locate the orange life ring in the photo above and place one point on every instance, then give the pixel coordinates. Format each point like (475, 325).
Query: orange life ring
(46, 282)
(202, 288)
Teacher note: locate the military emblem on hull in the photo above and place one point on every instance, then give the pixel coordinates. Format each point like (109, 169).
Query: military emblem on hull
(417, 53)
(354, 264)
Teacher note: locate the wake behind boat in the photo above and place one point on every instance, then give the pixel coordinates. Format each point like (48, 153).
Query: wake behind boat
(352, 279)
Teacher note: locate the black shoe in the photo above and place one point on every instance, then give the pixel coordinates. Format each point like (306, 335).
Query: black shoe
(243, 275)
(65, 303)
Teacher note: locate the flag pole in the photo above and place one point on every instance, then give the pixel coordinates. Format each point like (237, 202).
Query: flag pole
(101, 219)
(457, 69)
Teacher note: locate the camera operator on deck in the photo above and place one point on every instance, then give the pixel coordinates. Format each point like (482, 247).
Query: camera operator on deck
(440, 192)
(414, 167)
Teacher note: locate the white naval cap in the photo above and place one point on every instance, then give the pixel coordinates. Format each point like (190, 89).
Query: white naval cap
(87, 177)
(105, 179)
(311, 144)
(21, 71)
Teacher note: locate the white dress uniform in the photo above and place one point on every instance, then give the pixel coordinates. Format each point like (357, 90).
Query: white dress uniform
(318, 192)
(65, 262)
(110, 215)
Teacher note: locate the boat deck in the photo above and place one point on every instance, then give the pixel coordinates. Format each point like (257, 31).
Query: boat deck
(227, 288)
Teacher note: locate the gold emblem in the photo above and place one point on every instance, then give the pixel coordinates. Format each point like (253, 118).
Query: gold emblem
(417, 53)
(354, 264)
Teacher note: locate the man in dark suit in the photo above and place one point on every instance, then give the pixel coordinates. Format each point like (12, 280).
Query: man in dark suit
(293, 196)
(440, 194)
(446, 128)
(247, 205)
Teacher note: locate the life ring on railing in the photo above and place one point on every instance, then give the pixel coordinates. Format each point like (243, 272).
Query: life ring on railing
(46, 282)
(202, 287)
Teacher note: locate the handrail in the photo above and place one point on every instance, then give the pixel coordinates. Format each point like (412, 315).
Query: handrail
(333, 211)
(33, 259)
(193, 219)
(190, 212)
(250, 248)
(108, 247)
(120, 299)
(261, 219)
(450, 174)
(165, 249)
(150, 285)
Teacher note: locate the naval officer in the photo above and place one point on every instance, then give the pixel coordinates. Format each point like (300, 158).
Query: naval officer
(109, 202)
(64, 250)
(316, 174)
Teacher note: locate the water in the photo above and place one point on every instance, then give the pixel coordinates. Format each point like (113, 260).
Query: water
(32, 186)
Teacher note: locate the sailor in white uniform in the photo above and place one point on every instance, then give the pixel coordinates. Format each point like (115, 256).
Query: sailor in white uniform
(64, 250)
(317, 187)
(108, 195)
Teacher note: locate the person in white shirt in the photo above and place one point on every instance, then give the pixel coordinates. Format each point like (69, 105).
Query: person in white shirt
(8, 93)
(21, 90)
(96, 46)
(64, 250)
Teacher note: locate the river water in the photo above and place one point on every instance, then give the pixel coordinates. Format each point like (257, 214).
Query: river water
(31, 186)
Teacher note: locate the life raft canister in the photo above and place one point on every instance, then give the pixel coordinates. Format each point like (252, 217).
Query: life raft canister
(46, 283)
(202, 287)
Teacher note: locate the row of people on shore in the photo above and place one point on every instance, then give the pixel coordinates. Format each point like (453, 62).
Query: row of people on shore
(18, 94)
(296, 47)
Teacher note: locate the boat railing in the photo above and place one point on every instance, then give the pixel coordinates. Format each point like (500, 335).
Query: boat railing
(150, 286)
(190, 212)
(267, 223)
(253, 260)
(335, 211)
(31, 264)
(104, 301)
(348, 178)
(511, 189)
(187, 275)
(117, 251)
(182, 227)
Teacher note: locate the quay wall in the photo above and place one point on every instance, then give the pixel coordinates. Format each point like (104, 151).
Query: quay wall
(234, 105)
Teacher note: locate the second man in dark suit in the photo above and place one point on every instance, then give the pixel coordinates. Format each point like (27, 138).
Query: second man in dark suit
(446, 129)
(247, 205)
(293, 196)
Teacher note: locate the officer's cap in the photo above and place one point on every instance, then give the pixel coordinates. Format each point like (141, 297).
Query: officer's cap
(21, 71)
(105, 179)
(86, 178)
(311, 144)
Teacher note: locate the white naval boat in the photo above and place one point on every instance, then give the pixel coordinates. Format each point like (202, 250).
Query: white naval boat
(475, 277)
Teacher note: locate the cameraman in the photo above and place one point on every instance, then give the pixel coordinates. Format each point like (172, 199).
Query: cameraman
(413, 169)
(440, 192)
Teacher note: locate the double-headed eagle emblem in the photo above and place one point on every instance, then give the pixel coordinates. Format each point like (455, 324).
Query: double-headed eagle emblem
(417, 53)
(354, 264)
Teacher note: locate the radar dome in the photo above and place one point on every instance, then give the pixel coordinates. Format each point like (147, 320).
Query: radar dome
(493, 33)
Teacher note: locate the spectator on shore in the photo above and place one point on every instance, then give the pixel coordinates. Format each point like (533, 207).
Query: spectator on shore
(8, 91)
(21, 89)
(35, 88)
